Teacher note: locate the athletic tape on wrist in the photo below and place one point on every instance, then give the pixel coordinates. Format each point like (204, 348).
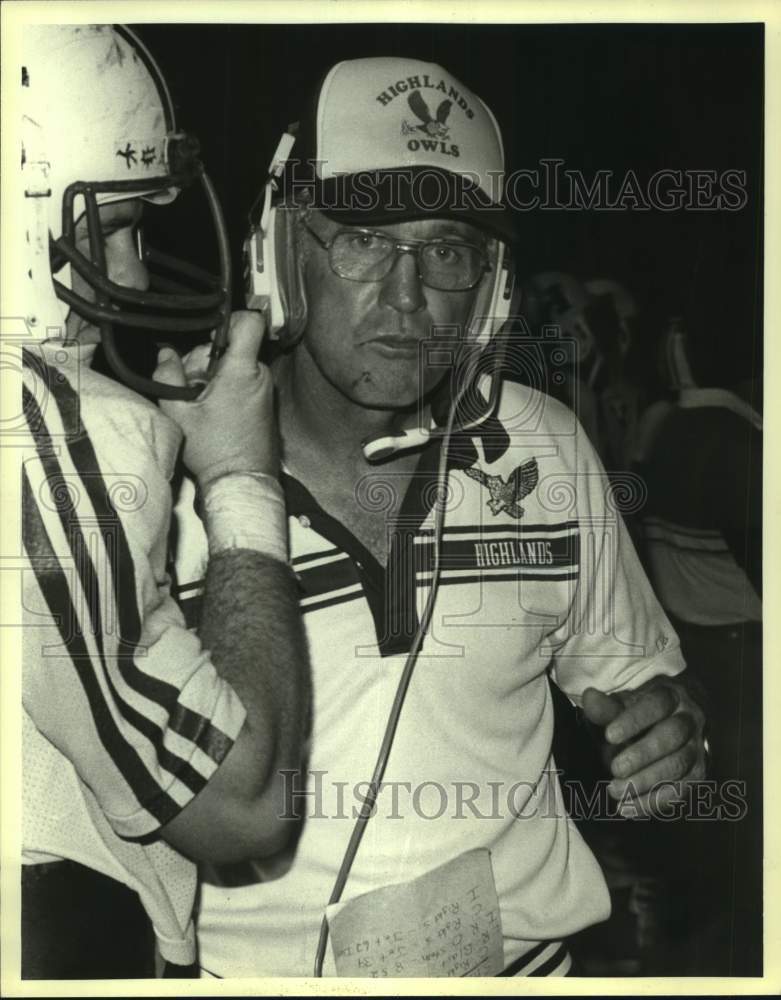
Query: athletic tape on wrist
(246, 510)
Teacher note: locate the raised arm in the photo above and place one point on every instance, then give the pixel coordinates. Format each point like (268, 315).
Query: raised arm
(250, 622)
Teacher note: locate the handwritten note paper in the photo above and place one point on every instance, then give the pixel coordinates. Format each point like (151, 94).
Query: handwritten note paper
(444, 923)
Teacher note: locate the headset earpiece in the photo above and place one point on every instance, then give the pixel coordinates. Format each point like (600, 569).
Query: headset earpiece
(494, 301)
(262, 287)
(271, 276)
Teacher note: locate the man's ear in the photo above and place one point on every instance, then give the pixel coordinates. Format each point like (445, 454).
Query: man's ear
(291, 255)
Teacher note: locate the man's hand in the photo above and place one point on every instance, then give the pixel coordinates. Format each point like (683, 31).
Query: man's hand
(230, 427)
(654, 742)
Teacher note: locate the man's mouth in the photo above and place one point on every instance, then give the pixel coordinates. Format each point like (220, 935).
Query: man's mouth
(397, 346)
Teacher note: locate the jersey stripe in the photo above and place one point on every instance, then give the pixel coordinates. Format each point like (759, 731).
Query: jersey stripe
(317, 557)
(182, 720)
(680, 529)
(336, 597)
(336, 575)
(549, 958)
(175, 765)
(191, 609)
(54, 587)
(518, 528)
(556, 965)
(486, 577)
(666, 533)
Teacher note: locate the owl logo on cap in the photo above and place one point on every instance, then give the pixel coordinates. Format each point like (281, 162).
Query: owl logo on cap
(435, 127)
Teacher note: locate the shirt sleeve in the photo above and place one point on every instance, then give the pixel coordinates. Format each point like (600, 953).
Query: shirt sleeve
(111, 675)
(616, 635)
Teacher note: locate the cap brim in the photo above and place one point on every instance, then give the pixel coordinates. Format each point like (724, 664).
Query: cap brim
(382, 197)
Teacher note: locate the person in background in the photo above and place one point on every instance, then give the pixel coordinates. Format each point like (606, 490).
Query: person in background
(596, 322)
(700, 454)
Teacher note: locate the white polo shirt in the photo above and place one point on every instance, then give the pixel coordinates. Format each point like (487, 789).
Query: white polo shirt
(534, 584)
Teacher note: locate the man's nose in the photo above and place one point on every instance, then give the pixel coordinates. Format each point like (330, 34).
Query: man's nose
(402, 288)
(123, 264)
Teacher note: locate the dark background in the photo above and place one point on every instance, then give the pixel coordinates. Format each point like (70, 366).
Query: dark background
(615, 97)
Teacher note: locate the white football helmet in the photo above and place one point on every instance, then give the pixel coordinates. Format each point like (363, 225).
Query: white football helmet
(98, 127)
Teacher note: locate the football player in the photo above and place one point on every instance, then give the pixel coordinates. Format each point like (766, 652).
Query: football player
(146, 748)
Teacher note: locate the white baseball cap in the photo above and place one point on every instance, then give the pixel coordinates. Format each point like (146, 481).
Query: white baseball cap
(390, 139)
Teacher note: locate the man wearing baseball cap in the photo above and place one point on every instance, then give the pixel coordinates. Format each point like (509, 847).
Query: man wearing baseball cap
(456, 547)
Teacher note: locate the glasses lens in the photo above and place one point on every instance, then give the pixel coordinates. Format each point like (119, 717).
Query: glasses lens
(451, 266)
(361, 256)
(366, 256)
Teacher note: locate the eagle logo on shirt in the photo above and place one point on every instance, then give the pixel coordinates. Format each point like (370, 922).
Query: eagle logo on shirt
(506, 495)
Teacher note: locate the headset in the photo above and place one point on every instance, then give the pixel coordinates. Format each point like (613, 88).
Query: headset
(270, 278)
(265, 287)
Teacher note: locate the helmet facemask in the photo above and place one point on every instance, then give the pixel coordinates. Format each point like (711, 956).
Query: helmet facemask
(182, 298)
(129, 147)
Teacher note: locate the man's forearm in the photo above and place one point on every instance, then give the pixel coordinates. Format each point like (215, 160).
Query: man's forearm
(252, 626)
(250, 620)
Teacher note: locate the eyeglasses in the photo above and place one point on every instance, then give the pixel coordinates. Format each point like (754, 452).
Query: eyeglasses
(367, 255)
